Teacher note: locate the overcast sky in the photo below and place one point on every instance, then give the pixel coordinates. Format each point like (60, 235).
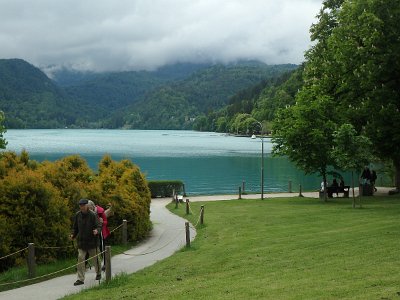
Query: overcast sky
(112, 35)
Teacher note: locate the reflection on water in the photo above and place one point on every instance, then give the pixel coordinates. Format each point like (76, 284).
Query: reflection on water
(208, 163)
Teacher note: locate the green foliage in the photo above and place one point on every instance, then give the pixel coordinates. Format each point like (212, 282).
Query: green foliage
(355, 60)
(303, 132)
(35, 210)
(352, 152)
(125, 187)
(38, 201)
(71, 176)
(165, 188)
(31, 100)
(259, 102)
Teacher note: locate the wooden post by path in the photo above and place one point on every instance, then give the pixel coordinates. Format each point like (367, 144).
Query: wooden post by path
(290, 186)
(108, 263)
(31, 260)
(187, 234)
(240, 192)
(124, 232)
(187, 206)
(202, 215)
(243, 187)
(300, 194)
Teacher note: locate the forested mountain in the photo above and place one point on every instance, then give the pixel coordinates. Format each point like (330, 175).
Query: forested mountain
(171, 97)
(180, 103)
(30, 99)
(257, 103)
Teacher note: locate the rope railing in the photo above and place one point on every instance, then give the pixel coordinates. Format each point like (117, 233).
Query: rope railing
(11, 254)
(50, 274)
(53, 247)
(38, 278)
(119, 226)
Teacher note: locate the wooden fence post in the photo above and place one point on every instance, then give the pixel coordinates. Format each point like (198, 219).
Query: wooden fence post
(187, 206)
(240, 192)
(243, 187)
(31, 260)
(176, 201)
(300, 194)
(124, 232)
(187, 234)
(290, 186)
(108, 263)
(202, 215)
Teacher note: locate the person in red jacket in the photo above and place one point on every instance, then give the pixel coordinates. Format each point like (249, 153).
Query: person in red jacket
(105, 232)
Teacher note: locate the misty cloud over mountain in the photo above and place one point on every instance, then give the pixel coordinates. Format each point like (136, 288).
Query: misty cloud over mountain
(99, 35)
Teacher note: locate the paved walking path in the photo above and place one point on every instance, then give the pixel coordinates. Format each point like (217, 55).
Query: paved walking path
(167, 236)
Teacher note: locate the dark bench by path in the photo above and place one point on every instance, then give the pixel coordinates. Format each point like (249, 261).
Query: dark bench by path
(336, 190)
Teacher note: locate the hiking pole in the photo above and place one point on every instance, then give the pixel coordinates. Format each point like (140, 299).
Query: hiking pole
(98, 266)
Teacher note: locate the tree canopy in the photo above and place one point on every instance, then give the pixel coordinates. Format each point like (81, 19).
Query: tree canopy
(354, 70)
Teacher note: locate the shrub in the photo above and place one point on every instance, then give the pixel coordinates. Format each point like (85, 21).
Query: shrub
(164, 188)
(35, 211)
(124, 186)
(38, 201)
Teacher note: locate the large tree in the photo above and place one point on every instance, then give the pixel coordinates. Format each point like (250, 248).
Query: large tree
(365, 49)
(355, 62)
(303, 132)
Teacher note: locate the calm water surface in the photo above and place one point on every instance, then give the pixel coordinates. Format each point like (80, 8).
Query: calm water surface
(208, 163)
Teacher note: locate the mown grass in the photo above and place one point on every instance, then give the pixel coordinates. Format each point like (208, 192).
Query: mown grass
(294, 248)
(18, 276)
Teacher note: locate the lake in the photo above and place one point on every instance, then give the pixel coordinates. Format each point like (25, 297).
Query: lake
(207, 162)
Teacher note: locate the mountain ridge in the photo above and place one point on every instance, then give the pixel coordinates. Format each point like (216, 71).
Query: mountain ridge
(129, 99)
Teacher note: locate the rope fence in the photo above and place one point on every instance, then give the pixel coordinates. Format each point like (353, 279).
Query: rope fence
(50, 274)
(107, 252)
(14, 253)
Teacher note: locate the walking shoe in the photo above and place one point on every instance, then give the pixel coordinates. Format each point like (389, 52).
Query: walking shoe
(98, 276)
(78, 282)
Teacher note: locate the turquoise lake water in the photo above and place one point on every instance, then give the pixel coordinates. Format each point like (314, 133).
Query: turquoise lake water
(208, 163)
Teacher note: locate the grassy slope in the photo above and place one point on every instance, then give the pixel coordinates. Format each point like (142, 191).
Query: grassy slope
(294, 248)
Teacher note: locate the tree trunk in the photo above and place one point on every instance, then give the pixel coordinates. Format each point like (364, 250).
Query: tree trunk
(352, 184)
(397, 176)
(325, 189)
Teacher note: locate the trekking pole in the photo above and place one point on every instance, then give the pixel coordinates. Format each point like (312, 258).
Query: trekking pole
(73, 246)
(98, 266)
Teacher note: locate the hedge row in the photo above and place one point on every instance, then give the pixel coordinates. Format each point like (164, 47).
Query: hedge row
(38, 201)
(166, 188)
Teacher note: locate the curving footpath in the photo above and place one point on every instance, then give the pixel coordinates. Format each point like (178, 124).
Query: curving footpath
(167, 236)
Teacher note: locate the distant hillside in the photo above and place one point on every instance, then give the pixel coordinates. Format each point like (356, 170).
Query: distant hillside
(256, 103)
(178, 104)
(171, 97)
(30, 99)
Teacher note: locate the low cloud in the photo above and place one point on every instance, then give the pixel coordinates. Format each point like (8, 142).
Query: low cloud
(101, 35)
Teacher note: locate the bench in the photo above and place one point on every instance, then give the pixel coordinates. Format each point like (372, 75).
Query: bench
(336, 190)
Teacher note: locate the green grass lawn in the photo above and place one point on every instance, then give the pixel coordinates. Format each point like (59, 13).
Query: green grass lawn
(293, 248)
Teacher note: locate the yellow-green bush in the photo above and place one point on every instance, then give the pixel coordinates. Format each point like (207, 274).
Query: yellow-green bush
(71, 175)
(124, 186)
(34, 211)
(39, 200)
